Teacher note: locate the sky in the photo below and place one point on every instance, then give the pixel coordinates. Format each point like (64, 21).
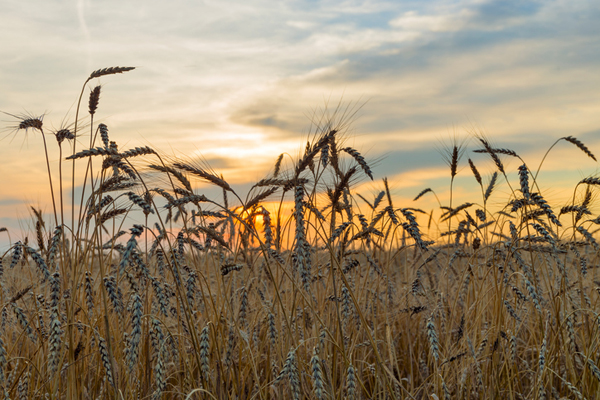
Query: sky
(236, 83)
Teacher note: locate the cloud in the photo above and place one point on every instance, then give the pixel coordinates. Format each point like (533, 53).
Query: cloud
(494, 12)
(10, 201)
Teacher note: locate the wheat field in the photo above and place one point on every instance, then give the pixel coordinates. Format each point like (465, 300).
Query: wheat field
(302, 288)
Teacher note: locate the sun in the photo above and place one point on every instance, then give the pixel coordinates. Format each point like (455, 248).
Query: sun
(255, 216)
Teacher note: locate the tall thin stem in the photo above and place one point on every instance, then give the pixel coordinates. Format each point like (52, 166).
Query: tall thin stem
(50, 177)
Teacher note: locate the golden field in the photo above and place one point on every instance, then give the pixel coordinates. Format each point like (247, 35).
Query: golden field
(301, 288)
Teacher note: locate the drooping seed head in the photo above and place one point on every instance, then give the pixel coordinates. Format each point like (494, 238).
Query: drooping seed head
(109, 71)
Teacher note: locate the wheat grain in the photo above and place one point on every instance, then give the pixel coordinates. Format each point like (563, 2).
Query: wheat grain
(136, 332)
(55, 341)
(351, 383)
(23, 386)
(433, 339)
(24, 322)
(3, 361)
(205, 353)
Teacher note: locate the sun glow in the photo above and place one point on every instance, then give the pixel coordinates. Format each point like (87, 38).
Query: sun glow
(238, 147)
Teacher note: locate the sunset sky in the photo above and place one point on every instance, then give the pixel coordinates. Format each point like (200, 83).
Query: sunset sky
(237, 82)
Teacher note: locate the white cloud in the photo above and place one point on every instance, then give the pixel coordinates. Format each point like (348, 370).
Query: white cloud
(414, 22)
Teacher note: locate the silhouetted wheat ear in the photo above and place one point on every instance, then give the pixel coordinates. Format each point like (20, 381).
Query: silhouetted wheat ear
(97, 151)
(579, 144)
(423, 192)
(387, 192)
(488, 149)
(94, 99)
(63, 134)
(277, 166)
(140, 202)
(524, 181)
(137, 151)
(260, 197)
(111, 214)
(177, 174)
(360, 160)
(204, 174)
(508, 152)
(475, 172)
(109, 71)
(592, 180)
(454, 161)
(490, 188)
(35, 123)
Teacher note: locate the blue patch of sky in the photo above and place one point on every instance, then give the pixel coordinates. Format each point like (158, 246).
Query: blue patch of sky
(10, 202)
(375, 20)
(591, 136)
(404, 161)
(408, 120)
(433, 157)
(416, 56)
(498, 10)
